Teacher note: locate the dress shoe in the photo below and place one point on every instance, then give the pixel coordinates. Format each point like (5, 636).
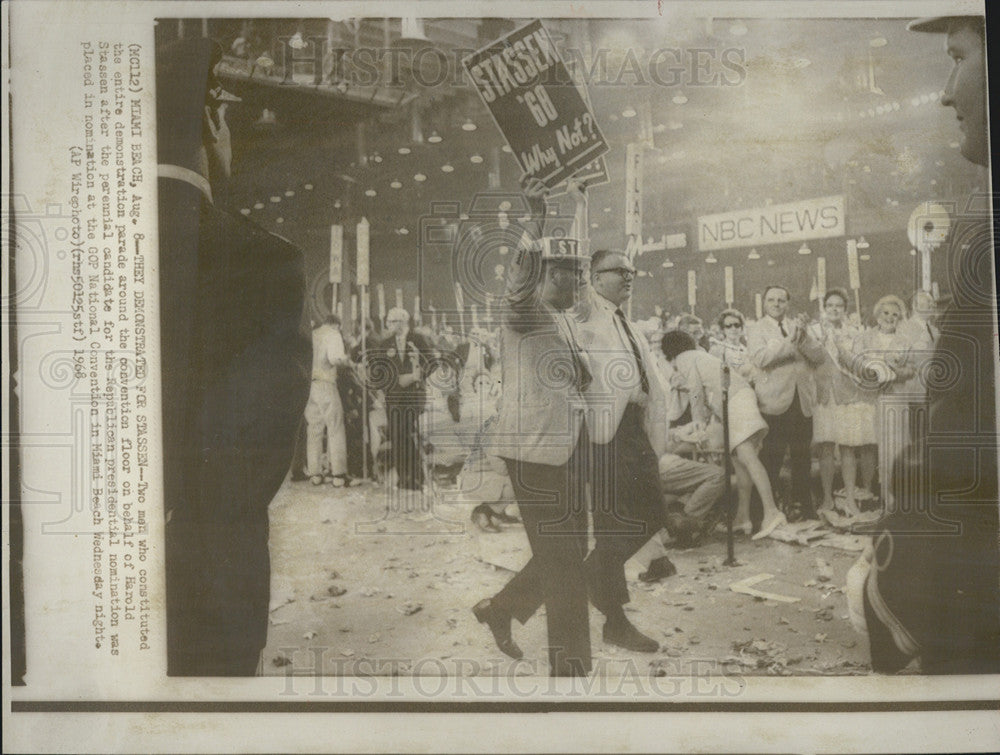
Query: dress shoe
(628, 637)
(482, 519)
(659, 568)
(505, 518)
(684, 529)
(499, 624)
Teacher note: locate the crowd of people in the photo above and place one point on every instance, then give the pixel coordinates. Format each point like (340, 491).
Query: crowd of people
(602, 428)
(836, 387)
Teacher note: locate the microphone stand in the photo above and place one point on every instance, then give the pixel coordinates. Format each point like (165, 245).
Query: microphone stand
(727, 463)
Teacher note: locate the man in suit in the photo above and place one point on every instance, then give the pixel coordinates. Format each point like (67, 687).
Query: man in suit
(539, 436)
(397, 364)
(627, 424)
(785, 353)
(932, 588)
(234, 377)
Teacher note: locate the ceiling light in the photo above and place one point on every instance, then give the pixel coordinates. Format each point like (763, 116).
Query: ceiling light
(666, 263)
(476, 159)
(506, 148)
(592, 225)
(864, 257)
(447, 168)
(396, 185)
(770, 263)
(679, 99)
(403, 231)
(754, 254)
(308, 187)
(377, 157)
(276, 199)
(420, 177)
(370, 193)
(279, 220)
(804, 249)
(245, 211)
(878, 42)
(710, 259)
(434, 138)
(504, 206)
(289, 193)
(607, 209)
(863, 243)
(628, 112)
(403, 150)
(258, 206)
(468, 125)
(336, 204)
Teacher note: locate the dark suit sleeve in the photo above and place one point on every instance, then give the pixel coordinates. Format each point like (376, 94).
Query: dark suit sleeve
(245, 386)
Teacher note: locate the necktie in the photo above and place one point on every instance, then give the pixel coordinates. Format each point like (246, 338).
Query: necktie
(643, 378)
(781, 326)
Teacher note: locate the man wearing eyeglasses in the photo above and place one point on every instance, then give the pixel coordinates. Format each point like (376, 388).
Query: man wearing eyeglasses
(235, 376)
(626, 419)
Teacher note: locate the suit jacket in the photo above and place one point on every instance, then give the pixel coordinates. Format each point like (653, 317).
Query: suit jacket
(543, 374)
(386, 364)
(784, 367)
(615, 375)
(235, 379)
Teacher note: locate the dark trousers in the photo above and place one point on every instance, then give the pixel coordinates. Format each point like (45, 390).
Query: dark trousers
(550, 500)
(790, 430)
(626, 507)
(404, 436)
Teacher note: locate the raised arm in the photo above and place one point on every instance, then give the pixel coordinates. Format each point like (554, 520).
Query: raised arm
(525, 270)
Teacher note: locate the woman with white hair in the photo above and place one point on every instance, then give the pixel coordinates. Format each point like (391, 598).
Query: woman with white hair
(882, 364)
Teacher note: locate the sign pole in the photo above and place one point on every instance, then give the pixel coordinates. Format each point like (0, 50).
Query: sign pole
(362, 239)
(854, 274)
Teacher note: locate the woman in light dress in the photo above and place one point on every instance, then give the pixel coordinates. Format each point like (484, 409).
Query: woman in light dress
(883, 364)
(842, 416)
(702, 376)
